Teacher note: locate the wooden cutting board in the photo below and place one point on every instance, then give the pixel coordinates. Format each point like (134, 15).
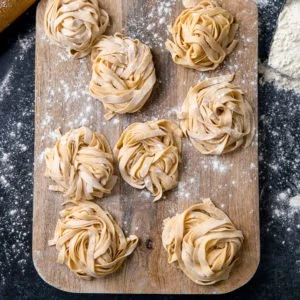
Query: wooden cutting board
(231, 181)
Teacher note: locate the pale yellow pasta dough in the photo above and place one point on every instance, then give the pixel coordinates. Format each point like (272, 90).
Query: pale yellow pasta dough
(90, 242)
(75, 24)
(149, 154)
(123, 74)
(202, 242)
(203, 35)
(216, 117)
(81, 165)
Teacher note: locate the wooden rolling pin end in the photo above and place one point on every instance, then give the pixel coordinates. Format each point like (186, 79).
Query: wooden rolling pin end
(11, 10)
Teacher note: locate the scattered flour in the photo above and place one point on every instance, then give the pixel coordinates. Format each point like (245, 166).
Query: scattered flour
(159, 16)
(15, 181)
(5, 87)
(219, 166)
(15, 218)
(25, 45)
(295, 202)
(262, 3)
(280, 81)
(287, 209)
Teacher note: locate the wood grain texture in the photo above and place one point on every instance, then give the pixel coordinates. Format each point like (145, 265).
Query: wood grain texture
(10, 10)
(231, 181)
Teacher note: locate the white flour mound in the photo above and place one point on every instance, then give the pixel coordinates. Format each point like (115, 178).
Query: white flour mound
(295, 201)
(285, 51)
(283, 67)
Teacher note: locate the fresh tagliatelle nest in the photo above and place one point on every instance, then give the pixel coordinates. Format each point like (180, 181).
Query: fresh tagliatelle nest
(203, 35)
(216, 117)
(149, 154)
(202, 242)
(75, 24)
(81, 165)
(123, 74)
(90, 242)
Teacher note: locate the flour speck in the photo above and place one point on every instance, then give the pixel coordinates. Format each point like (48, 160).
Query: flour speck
(262, 3)
(146, 28)
(16, 151)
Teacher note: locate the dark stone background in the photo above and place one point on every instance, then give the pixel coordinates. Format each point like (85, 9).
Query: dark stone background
(279, 270)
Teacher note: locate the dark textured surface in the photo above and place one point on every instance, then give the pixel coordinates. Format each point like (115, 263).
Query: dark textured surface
(279, 270)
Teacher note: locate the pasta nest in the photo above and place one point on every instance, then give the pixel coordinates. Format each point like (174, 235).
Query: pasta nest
(149, 154)
(75, 24)
(123, 74)
(202, 242)
(202, 36)
(216, 117)
(90, 242)
(81, 164)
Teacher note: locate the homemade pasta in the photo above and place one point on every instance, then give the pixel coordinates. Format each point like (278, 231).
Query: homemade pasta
(203, 35)
(90, 242)
(123, 74)
(81, 165)
(216, 117)
(202, 242)
(75, 24)
(149, 154)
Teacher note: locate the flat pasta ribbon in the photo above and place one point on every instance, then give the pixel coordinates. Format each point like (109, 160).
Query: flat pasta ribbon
(81, 164)
(75, 24)
(149, 154)
(202, 36)
(123, 74)
(202, 242)
(216, 117)
(90, 242)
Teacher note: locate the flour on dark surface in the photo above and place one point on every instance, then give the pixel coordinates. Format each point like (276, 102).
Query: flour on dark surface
(16, 155)
(279, 163)
(262, 3)
(283, 64)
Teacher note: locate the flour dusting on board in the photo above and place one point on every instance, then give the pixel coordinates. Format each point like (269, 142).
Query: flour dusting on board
(146, 29)
(16, 183)
(149, 30)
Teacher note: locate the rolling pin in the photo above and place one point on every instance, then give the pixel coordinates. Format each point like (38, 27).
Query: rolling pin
(12, 9)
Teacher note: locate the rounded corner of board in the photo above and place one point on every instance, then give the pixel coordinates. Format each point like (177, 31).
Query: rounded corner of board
(246, 280)
(43, 276)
